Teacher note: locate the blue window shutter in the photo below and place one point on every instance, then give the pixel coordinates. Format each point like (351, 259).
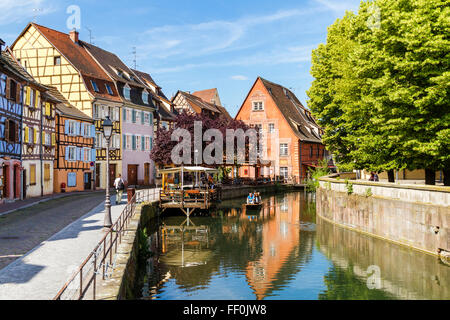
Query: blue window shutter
(142, 117)
(94, 155)
(134, 116)
(79, 128)
(66, 127)
(151, 118)
(134, 142)
(124, 114)
(151, 143)
(82, 129)
(82, 154)
(124, 141)
(142, 143)
(92, 131)
(67, 153)
(71, 179)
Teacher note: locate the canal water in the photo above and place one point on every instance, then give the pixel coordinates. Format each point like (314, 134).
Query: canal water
(281, 252)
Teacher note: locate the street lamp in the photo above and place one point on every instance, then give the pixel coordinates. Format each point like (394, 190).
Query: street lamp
(107, 132)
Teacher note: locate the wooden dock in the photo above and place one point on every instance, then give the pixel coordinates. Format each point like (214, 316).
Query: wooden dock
(188, 200)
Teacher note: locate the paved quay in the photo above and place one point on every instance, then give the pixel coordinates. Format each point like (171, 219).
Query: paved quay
(42, 272)
(25, 228)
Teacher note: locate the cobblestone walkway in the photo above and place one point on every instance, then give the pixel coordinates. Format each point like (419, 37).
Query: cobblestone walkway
(24, 229)
(40, 273)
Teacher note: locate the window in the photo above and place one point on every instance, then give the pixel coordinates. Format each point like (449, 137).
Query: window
(98, 140)
(12, 131)
(128, 143)
(71, 179)
(115, 141)
(258, 106)
(164, 125)
(57, 61)
(71, 154)
(271, 128)
(284, 172)
(86, 130)
(109, 89)
(32, 174)
(145, 97)
(311, 152)
(284, 149)
(46, 172)
(318, 151)
(138, 117)
(138, 142)
(127, 93)
(94, 85)
(147, 144)
(72, 128)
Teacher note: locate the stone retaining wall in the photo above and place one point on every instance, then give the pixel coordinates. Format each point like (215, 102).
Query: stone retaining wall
(122, 282)
(415, 216)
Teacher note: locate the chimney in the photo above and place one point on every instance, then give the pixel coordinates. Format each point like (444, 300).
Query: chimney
(2, 43)
(74, 35)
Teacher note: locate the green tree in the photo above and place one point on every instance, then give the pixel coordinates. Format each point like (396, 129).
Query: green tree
(381, 90)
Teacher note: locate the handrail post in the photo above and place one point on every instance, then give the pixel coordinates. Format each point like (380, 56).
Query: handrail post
(81, 283)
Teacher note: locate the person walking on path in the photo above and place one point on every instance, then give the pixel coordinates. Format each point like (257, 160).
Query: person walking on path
(120, 187)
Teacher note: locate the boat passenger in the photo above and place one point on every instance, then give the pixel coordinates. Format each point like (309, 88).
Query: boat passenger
(250, 198)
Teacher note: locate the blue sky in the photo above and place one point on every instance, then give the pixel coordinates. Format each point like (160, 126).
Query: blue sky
(195, 45)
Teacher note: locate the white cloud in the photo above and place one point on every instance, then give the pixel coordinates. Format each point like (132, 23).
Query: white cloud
(269, 58)
(339, 7)
(239, 78)
(193, 40)
(17, 11)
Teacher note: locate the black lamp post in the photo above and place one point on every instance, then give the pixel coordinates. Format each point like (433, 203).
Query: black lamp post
(107, 132)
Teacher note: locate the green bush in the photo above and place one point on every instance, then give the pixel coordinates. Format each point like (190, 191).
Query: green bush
(349, 187)
(313, 183)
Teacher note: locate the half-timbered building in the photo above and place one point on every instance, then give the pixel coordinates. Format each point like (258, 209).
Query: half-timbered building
(186, 102)
(11, 171)
(165, 114)
(75, 154)
(137, 117)
(62, 61)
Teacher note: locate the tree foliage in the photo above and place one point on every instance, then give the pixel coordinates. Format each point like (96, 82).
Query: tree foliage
(381, 90)
(163, 146)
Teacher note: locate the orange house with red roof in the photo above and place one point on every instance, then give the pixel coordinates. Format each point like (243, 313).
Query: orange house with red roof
(291, 136)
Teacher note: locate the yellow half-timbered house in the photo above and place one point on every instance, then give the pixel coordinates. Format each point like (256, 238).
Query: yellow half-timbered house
(60, 60)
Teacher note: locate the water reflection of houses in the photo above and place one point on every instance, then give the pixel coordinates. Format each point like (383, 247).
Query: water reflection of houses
(283, 245)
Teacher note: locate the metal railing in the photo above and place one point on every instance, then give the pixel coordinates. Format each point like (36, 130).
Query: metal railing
(100, 261)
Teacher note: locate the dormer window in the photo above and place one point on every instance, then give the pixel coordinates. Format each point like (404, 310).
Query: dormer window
(94, 85)
(127, 92)
(145, 97)
(109, 89)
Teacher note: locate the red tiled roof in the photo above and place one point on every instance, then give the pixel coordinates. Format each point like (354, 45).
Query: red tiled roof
(298, 117)
(206, 95)
(77, 55)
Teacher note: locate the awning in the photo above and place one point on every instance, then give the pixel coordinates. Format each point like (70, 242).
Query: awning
(187, 169)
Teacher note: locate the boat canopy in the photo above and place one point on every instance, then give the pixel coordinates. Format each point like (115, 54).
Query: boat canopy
(187, 169)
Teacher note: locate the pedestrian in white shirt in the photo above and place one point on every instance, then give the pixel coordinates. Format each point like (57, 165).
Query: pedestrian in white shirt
(120, 187)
